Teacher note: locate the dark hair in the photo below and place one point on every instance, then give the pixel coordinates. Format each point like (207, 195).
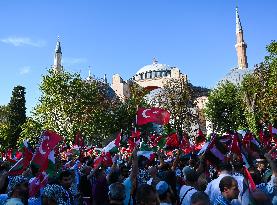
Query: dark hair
(200, 196)
(113, 177)
(225, 166)
(238, 166)
(144, 190)
(65, 173)
(192, 176)
(117, 191)
(226, 182)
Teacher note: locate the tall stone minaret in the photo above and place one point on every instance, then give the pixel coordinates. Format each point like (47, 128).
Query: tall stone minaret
(240, 45)
(57, 66)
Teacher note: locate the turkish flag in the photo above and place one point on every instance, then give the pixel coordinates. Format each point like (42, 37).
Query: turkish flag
(172, 141)
(235, 149)
(37, 183)
(185, 145)
(49, 140)
(155, 115)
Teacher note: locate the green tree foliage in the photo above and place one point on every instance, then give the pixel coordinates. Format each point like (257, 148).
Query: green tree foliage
(16, 115)
(4, 133)
(70, 104)
(31, 131)
(4, 111)
(259, 89)
(225, 108)
(177, 97)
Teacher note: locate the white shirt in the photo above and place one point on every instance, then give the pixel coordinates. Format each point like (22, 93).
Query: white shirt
(212, 189)
(183, 191)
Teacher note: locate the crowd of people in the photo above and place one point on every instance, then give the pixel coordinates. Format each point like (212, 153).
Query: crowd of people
(175, 179)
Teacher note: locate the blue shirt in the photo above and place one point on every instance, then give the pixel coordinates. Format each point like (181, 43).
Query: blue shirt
(222, 201)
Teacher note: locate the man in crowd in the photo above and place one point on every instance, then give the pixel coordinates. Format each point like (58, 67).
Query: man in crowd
(212, 189)
(190, 178)
(146, 195)
(116, 194)
(229, 190)
(200, 198)
(165, 193)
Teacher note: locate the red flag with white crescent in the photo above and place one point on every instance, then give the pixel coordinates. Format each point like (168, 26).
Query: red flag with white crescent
(156, 115)
(49, 140)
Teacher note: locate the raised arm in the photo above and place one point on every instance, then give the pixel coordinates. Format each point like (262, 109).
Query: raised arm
(134, 171)
(272, 162)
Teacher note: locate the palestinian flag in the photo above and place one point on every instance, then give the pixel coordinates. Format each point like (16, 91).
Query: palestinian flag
(113, 146)
(22, 164)
(50, 166)
(144, 146)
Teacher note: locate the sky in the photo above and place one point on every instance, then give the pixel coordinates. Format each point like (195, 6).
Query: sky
(122, 36)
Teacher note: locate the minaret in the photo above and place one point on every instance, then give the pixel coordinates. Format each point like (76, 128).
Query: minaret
(89, 78)
(57, 66)
(240, 45)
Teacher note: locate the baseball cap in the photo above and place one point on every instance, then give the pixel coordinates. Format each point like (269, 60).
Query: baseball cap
(162, 187)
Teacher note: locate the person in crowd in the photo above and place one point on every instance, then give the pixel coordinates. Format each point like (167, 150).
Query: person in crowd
(190, 187)
(213, 189)
(261, 166)
(243, 198)
(261, 198)
(116, 194)
(128, 180)
(154, 180)
(18, 191)
(200, 198)
(165, 193)
(65, 180)
(55, 194)
(147, 195)
(3, 185)
(229, 190)
(99, 186)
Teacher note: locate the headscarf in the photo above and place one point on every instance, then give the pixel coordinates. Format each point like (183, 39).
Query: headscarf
(15, 181)
(56, 192)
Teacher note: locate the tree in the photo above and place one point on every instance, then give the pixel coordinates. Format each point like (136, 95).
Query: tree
(225, 108)
(259, 90)
(16, 115)
(31, 130)
(177, 97)
(4, 111)
(69, 104)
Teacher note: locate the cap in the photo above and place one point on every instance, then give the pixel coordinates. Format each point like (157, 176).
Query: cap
(162, 187)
